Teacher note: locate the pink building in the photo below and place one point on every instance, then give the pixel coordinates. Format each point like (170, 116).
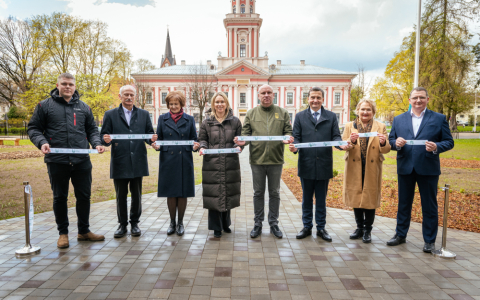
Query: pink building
(243, 70)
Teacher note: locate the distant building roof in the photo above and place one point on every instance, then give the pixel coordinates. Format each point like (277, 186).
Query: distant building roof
(305, 70)
(279, 70)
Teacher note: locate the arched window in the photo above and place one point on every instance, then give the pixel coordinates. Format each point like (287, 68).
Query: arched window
(234, 9)
(242, 9)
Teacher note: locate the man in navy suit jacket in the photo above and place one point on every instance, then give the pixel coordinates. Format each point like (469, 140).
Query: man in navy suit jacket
(419, 164)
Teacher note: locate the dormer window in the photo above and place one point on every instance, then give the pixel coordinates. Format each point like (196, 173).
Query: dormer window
(242, 8)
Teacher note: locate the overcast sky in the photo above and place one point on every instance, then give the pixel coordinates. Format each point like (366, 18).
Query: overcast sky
(338, 34)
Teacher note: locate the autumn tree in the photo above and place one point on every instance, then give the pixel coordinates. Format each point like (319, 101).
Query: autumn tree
(144, 90)
(200, 85)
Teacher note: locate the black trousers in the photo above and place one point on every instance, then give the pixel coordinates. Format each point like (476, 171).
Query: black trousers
(218, 220)
(121, 188)
(364, 218)
(81, 175)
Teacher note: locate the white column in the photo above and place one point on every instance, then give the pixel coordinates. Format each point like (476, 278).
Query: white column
(229, 42)
(230, 91)
(237, 95)
(281, 100)
(249, 95)
(299, 97)
(247, 7)
(235, 50)
(255, 95)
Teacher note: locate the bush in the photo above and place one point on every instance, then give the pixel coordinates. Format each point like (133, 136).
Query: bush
(335, 173)
(14, 130)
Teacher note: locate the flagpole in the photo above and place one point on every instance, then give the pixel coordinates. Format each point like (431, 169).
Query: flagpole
(417, 45)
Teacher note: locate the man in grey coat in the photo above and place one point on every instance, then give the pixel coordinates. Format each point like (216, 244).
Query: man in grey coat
(128, 163)
(315, 165)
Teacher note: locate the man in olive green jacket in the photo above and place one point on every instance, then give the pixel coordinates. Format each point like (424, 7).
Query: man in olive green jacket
(266, 158)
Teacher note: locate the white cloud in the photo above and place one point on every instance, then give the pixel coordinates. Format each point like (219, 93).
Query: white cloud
(3, 4)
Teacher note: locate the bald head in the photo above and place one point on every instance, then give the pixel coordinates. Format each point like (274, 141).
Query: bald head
(265, 94)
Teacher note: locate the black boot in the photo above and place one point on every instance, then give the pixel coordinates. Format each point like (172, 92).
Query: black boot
(171, 228)
(358, 233)
(121, 231)
(367, 236)
(217, 233)
(180, 228)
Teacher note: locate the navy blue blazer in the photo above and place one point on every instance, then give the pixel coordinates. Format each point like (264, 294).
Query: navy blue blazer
(315, 163)
(176, 174)
(434, 128)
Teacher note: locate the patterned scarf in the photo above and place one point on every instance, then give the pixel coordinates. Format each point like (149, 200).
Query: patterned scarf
(177, 116)
(363, 129)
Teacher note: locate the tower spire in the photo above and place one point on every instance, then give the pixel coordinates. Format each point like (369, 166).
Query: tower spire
(168, 57)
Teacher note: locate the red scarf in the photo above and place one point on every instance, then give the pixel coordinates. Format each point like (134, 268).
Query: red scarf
(177, 116)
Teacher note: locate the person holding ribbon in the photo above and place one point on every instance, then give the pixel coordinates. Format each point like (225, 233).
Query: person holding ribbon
(128, 162)
(315, 164)
(64, 121)
(362, 180)
(221, 176)
(176, 175)
(266, 156)
(419, 136)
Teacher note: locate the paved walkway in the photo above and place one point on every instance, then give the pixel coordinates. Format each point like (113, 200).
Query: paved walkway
(199, 266)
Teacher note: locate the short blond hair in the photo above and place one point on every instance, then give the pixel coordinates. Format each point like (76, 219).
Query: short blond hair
(212, 102)
(372, 104)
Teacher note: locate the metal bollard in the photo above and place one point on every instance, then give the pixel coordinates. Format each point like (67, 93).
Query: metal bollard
(28, 249)
(443, 252)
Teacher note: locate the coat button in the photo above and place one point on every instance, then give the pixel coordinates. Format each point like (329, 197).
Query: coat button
(373, 147)
(130, 131)
(372, 160)
(172, 152)
(131, 153)
(180, 152)
(170, 133)
(315, 130)
(354, 159)
(182, 134)
(317, 157)
(131, 142)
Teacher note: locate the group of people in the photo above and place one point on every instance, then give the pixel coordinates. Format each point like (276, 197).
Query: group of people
(63, 121)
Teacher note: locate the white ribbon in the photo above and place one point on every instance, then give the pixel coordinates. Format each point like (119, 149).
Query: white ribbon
(221, 151)
(28, 190)
(321, 144)
(263, 138)
(367, 134)
(72, 151)
(174, 143)
(131, 136)
(416, 142)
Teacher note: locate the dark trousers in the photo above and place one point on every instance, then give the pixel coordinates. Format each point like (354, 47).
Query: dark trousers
(427, 185)
(121, 188)
(320, 188)
(364, 218)
(218, 220)
(81, 175)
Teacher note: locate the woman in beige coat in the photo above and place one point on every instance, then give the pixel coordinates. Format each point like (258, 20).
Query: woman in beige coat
(362, 181)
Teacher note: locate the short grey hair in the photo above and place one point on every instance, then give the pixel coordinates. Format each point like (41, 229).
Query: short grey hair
(419, 89)
(65, 76)
(127, 86)
(264, 86)
(316, 89)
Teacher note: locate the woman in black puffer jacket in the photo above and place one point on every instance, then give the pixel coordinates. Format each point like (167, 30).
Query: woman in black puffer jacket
(221, 177)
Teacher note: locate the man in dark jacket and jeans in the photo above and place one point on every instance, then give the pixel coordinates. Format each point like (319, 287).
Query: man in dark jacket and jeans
(315, 165)
(128, 163)
(266, 158)
(63, 121)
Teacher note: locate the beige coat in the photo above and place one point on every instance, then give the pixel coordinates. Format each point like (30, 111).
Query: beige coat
(353, 194)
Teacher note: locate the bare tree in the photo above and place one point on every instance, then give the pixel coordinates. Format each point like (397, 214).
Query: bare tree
(359, 90)
(200, 86)
(144, 90)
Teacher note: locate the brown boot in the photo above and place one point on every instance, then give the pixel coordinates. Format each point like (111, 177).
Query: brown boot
(63, 241)
(90, 237)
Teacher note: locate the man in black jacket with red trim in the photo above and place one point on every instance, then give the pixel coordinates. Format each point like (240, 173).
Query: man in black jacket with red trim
(63, 121)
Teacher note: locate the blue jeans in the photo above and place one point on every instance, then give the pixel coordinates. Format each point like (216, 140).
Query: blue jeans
(320, 188)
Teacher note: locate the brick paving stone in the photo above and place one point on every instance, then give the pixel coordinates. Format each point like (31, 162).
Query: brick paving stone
(198, 266)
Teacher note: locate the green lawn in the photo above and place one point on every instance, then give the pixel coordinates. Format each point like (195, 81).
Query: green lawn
(22, 143)
(464, 149)
(467, 128)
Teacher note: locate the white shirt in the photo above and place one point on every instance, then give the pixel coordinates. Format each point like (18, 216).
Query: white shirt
(319, 113)
(416, 121)
(128, 115)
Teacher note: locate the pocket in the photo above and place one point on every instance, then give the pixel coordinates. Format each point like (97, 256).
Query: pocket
(347, 154)
(381, 157)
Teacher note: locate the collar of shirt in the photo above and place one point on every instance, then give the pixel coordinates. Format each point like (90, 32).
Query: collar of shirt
(421, 115)
(318, 111)
(126, 111)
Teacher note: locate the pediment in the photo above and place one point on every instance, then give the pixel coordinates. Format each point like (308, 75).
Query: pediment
(249, 69)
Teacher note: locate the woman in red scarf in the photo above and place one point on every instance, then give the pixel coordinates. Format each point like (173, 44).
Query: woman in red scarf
(176, 175)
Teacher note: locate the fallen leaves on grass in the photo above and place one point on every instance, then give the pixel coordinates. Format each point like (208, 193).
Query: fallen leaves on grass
(464, 208)
(20, 154)
(456, 163)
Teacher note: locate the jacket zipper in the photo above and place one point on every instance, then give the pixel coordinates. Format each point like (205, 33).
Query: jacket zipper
(74, 119)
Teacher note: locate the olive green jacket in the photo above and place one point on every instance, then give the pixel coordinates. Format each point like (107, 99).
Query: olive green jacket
(272, 121)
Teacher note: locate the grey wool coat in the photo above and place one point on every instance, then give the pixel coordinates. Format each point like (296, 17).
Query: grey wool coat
(221, 177)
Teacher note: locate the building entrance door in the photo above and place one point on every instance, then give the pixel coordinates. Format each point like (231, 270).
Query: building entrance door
(242, 117)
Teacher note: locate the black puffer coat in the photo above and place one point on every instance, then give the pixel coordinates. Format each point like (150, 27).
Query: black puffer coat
(64, 124)
(221, 176)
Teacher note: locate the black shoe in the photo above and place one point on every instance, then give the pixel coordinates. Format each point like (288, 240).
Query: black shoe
(304, 233)
(121, 231)
(135, 230)
(227, 230)
(171, 228)
(217, 233)
(276, 231)
(358, 233)
(396, 240)
(324, 235)
(367, 236)
(180, 228)
(256, 231)
(429, 247)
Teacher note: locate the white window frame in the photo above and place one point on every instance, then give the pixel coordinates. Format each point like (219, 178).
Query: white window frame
(287, 102)
(339, 102)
